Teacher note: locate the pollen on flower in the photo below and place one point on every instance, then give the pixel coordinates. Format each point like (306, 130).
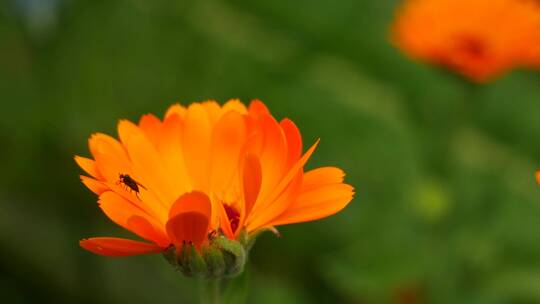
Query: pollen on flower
(211, 174)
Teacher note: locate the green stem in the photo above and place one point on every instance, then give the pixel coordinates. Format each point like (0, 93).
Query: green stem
(210, 291)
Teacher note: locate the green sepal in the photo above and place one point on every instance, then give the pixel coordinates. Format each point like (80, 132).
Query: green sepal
(234, 255)
(215, 261)
(170, 255)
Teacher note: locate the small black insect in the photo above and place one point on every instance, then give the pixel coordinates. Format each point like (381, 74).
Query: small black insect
(130, 183)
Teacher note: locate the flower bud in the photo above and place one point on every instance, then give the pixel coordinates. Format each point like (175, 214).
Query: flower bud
(234, 255)
(214, 261)
(188, 260)
(218, 258)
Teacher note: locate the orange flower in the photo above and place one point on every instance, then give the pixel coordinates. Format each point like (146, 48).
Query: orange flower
(478, 38)
(203, 170)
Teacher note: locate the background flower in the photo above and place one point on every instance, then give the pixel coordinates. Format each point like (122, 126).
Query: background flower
(479, 39)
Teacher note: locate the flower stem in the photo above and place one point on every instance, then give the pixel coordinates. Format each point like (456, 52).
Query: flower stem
(210, 291)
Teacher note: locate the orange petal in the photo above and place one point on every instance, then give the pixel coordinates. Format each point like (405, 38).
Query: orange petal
(257, 108)
(538, 177)
(213, 110)
(132, 218)
(117, 247)
(110, 156)
(146, 200)
(224, 222)
(151, 126)
(251, 183)
(147, 166)
(278, 206)
(189, 219)
(315, 204)
(188, 227)
(172, 154)
(88, 165)
(263, 203)
(146, 230)
(195, 201)
(228, 141)
(294, 141)
(196, 144)
(176, 109)
(273, 156)
(94, 185)
(234, 105)
(322, 176)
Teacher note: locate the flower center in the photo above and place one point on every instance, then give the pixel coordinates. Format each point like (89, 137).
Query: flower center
(472, 47)
(233, 215)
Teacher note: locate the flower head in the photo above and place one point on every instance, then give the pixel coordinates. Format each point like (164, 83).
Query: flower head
(204, 175)
(480, 39)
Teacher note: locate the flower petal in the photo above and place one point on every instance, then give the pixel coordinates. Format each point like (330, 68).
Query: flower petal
(263, 202)
(228, 141)
(88, 165)
(117, 247)
(147, 166)
(213, 110)
(538, 177)
(176, 109)
(172, 155)
(278, 206)
(133, 218)
(316, 204)
(151, 126)
(94, 185)
(189, 219)
(294, 141)
(224, 222)
(196, 145)
(257, 108)
(251, 182)
(110, 156)
(195, 201)
(273, 155)
(322, 176)
(191, 227)
(234, 105)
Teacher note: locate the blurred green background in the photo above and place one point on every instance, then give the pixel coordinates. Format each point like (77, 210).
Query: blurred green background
(447, 208)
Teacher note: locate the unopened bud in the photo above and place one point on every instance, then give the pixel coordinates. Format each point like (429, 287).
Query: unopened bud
(214, 261)
(234, 255)
(219, 257)
(190, 262)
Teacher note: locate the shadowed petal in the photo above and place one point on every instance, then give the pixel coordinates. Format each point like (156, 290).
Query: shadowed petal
(189, 219)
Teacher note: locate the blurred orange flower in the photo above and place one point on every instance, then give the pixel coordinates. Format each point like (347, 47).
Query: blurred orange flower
(205, 169)
(480, 39)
